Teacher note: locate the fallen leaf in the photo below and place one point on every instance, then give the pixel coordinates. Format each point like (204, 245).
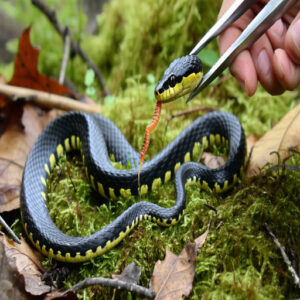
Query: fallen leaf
(20, 260)
(69, 295)
(15, 144)
(173, 277)
(251, 141)
(21, 127)
(282, 139)
(20, 276)
(199, 241)
(130, 274)
(212, 161)
(26, 72)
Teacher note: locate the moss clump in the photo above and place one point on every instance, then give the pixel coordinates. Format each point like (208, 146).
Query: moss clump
(238, 260)
(141, 37)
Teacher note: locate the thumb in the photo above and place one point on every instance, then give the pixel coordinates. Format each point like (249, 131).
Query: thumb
(292, 40)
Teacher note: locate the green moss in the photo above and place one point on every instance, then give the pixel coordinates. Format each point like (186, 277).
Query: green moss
(141, 37)
(238, 260)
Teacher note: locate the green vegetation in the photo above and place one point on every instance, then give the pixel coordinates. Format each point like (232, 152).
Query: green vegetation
(136, 39)
(238, 260)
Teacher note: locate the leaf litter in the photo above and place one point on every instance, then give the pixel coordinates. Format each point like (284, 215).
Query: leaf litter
(173, 277)
(22, 123)
(283, 139)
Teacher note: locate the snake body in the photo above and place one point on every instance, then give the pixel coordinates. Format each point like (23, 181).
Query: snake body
(97, 137)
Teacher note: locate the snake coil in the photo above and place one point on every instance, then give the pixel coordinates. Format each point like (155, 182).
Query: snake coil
(97, 137)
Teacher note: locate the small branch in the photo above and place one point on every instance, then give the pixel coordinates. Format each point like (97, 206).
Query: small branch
(284, 255)
(211, 208)
(284, 167)
(8, 229)
(115, 283)
(47, 100)
(65, 56)
(75, 47)
(292, 254)
(12, 162)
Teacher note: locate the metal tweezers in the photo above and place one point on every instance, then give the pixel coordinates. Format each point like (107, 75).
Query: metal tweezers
(271, 12)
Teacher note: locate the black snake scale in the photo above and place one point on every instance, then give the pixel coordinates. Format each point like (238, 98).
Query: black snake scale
(97, 137)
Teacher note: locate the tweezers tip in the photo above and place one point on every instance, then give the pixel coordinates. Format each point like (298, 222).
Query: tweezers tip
(191, 96)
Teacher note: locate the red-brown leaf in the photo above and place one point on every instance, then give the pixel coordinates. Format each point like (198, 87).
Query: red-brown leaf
(22, 128)
(26, 73)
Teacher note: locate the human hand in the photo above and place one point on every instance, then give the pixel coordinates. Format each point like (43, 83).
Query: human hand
(274, 59)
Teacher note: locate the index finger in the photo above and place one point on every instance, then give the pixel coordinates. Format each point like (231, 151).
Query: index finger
(243, 66)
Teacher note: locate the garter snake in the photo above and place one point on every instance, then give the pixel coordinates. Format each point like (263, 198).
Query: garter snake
(97, 137)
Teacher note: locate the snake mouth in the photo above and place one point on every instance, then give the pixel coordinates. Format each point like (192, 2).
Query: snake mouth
(180, 78)
(185, 86)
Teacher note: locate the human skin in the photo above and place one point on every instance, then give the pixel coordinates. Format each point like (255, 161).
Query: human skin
(274, 59)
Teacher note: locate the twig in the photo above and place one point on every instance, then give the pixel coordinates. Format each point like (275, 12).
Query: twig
(48, 100)
(249, 158)
(292, 254)
(75, 47)
(65, 56)
(10, 161)
(284, 167)
(284, 255)
(115, 283)
(8, 229)
(190, 111)
(211, 208)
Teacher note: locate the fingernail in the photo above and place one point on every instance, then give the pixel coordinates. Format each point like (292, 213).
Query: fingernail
(295, 30)
(243, 85)
(281, 69)
(278, 28)
(284, 67)
(263, 63)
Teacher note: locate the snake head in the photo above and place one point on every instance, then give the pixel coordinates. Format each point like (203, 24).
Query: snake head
(182, 77)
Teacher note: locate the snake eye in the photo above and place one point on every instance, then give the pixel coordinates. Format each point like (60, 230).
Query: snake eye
(172, 81)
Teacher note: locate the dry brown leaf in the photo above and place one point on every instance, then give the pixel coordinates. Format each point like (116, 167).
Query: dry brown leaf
(173, 277)
(212, 161)
(20, 275)
(26, 72)
(69, 295)
(202, 238)
(251, 141)
(15, 144)
(21, 271)
(283, 138)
